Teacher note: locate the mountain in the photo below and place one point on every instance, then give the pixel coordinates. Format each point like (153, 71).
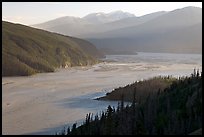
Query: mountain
(68, 25)
(94, 23)
(91, 23)
(171, 20)
(180, 40)
(101, 17)
(27, 50)
(122, 23)
(68, 20)
(175, 31)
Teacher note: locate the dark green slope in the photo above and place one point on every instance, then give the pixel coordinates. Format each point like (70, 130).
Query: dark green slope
(27, 50)
(144, 88)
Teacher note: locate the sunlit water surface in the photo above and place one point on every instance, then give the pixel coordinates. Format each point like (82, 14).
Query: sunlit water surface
(44, 103)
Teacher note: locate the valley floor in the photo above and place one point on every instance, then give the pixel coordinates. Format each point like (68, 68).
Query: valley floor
(38, 103)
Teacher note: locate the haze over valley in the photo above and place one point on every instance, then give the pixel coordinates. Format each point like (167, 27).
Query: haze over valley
(177, 31)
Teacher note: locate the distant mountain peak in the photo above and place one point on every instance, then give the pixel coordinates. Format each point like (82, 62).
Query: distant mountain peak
(101, 17)
(121, 12)
(98, 14)
(189, 9)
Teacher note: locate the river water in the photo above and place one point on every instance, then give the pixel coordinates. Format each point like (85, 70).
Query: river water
(44, 103)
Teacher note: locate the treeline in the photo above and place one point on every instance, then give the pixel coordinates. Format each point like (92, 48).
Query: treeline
(27, 50)
(144, 88)
(176, 110)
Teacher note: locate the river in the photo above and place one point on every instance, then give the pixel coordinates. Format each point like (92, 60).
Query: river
(45, 102)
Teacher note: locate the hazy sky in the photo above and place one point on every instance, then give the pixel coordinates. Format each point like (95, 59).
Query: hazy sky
(37, 12)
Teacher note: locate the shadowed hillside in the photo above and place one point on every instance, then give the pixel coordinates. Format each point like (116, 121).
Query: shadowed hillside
(26, 51)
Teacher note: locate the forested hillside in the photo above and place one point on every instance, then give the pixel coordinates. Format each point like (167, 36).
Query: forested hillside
(26, 51)
(144, 88)
(175, 110)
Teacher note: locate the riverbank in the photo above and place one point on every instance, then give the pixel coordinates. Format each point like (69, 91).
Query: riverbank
(44, 101)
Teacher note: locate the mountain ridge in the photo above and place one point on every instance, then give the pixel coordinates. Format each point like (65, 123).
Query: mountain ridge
(139, 33)
(154, 34)
(82, 28)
